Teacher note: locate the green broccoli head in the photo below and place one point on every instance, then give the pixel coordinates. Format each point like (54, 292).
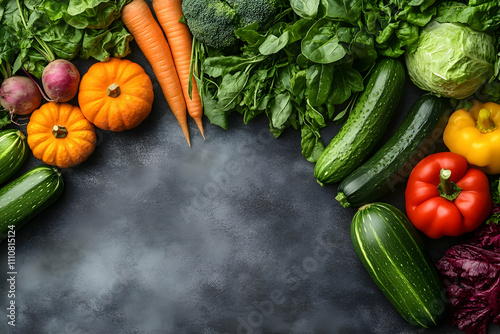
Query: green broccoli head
(213, 22)
(261, 11)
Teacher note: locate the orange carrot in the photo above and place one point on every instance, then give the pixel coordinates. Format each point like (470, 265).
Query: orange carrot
(141, 23)
(168, 13)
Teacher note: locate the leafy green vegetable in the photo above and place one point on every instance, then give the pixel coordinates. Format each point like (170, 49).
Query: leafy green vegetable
(495, 197)
(4, 118)
(34, 32)
(305, 8)
(312, 59)
(481, 15)
(213, 22)
(345, 10)
(452, 60)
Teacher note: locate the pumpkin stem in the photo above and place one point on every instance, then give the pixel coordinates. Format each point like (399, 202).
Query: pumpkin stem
(59, 131)
(113, 90)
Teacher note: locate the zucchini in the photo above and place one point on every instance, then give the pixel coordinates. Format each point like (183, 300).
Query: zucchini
(13, 152)
(28, 195)
(414, 139)
(366, 123)
(394, 255)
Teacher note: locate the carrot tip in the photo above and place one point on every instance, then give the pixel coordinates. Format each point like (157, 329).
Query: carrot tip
(200, 126)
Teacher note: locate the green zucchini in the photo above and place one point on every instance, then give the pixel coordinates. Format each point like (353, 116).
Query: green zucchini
(394, 255)
(414, 139)
(13, 152)
(28, 195)
(366, 123)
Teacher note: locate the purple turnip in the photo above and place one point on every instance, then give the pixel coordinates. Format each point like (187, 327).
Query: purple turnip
(60, 80)
(20, 95)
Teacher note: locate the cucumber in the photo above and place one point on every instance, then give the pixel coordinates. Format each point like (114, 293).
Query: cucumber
(414, 139)
(394, 255)
(366, 123)
(13, 152)
(28, 195)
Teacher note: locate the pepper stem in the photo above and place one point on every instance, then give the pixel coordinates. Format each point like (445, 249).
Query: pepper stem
(448, 189)
(484, 122)
(113, 90)
(59, 131)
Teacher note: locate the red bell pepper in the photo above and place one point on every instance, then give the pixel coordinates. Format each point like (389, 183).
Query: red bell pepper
(444, 197)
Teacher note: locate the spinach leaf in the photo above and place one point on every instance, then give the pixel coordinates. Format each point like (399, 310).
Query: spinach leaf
(305, 8)
(280, 110)
(319, 80)
(250, 35)
(315, 116)
(311, 143)
(322, 44)
(346, 80)
(255, 96)
(230, 89)
(298, 83)
(275, 43)
(213, 112)
(345, 10)
(221, 65)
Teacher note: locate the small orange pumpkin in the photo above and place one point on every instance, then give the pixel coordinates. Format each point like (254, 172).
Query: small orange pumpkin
(59, 135)
(116, 95)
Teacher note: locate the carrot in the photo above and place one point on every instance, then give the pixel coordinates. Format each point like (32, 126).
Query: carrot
(140, 22)
(168, 13)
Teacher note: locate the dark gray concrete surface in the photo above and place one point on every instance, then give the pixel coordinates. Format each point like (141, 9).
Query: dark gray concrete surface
(232, 235)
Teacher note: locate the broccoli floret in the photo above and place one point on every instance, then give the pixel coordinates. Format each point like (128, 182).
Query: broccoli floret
(261, 11)
(213, 22)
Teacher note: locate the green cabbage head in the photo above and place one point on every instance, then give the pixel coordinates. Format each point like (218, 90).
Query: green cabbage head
(451, 60)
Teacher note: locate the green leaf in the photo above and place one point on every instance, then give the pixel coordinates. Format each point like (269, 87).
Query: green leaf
(417, 17)
(254, 93)
(273, 44)
(315, 116)
(250, 34)
(305, 8)
(345, 10)
(311, 143)
(214, 114)
(230, 89)
(280, 110)
(319, 83)
(345, 81)
(4, 118)
(102, 44)
(298, 85)
(222, 65)
(64, 40)
(484, 16)
(280, 36)
(321, 44)
(9, 45)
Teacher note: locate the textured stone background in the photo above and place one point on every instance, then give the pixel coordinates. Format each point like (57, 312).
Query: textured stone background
(232, 235)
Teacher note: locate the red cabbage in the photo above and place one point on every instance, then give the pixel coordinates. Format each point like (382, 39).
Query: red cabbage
(471, 274)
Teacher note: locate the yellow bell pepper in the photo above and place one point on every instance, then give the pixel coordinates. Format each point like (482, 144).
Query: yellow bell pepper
(475, 135)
